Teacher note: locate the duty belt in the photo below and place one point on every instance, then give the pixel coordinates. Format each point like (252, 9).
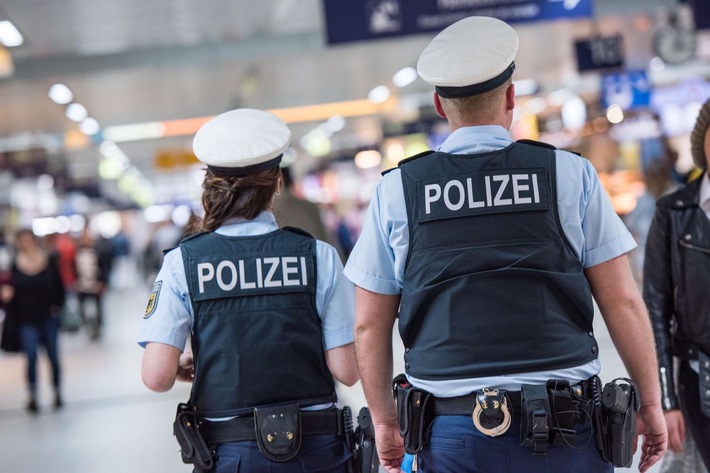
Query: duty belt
(462, 405)
(242, 428)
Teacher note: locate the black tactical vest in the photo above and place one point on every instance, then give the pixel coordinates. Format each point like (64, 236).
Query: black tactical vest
(491, 284)
(256, 336)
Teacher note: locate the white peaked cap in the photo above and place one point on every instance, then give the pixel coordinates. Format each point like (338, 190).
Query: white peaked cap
(472, 56)
(242, 141)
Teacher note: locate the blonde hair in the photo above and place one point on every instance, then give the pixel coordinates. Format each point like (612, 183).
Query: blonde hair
(483, 107)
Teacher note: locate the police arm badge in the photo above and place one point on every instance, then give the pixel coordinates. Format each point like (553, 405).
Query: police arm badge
(153, 299)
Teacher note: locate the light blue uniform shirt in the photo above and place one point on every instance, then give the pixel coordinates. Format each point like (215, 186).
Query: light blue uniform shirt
(592, 227)
(172, 318)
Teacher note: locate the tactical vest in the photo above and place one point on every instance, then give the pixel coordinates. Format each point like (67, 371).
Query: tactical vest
(491, 284)
(256, 336)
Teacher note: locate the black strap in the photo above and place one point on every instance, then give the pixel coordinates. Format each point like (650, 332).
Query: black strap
(242, 428)
(463, 405)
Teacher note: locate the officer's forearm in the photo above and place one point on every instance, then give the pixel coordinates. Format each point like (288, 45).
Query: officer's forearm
(374, 318)
(626, 318)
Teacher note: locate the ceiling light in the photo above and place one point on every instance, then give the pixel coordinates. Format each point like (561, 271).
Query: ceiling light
(379, 94)
(614, 114)
(89, 126)
(76, 112)
(9, 35)
(404, 77)
(60, 94)
(368, 159)
(525, 87)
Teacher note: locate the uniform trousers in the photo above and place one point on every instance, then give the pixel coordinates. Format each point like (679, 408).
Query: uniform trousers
(696, 423)
(318, 453)
(456, 446)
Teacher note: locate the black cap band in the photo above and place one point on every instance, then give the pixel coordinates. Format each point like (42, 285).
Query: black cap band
(243, 171)
(475, 89)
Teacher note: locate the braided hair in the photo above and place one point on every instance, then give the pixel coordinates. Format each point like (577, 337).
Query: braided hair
(227, 197)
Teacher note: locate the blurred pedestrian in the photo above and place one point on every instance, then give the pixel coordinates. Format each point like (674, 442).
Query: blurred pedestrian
(294, 211)
(35, 296)
(676, 291)
(93, 268)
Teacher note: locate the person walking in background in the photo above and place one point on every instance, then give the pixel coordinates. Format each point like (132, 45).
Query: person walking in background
(291, 210)
(489, 251)
(268, 310)
(675, 288)
(93, 268)
(35, 296)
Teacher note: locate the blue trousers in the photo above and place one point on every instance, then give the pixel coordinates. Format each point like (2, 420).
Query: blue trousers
(456, 446)
(319, 453)
(32, 336)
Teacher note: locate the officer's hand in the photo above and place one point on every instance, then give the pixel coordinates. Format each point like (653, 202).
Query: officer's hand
(676, 430)
(390, 447)
(652, 425)
(186, 367)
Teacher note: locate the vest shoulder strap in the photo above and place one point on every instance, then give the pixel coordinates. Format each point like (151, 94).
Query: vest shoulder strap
(409, 159)
(298, 231)
(536, 143)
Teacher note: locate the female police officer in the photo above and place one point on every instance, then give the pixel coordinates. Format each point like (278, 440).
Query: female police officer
(269, 312)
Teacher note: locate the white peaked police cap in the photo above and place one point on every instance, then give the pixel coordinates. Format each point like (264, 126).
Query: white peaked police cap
(470, 57)
(241, 141)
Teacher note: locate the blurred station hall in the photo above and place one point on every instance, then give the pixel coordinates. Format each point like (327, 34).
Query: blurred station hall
(100, 101)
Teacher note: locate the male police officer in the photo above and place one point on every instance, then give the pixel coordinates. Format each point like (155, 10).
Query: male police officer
(269, 312)
(490, 251)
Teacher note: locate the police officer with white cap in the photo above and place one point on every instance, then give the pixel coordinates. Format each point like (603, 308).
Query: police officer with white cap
(490, 251)
(268, 311)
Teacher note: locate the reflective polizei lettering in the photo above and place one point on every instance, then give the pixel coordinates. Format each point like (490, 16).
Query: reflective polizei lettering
(245, 274)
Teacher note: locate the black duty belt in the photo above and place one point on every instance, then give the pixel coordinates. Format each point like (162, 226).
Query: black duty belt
(242, 428)
(463, 405)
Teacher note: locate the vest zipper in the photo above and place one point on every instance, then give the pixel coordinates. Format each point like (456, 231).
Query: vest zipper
(694, 247)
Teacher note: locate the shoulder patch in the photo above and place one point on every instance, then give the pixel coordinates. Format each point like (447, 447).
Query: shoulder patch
(153, 299)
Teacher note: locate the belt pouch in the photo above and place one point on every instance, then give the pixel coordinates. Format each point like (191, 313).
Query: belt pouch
(193, 448)
(704, 382)
(534, 417)
(565, 409)
(414, 418)
(619, 406)
(278, 431)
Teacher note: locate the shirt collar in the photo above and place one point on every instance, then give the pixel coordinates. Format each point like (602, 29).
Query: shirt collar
(263, 223)
(476, 139)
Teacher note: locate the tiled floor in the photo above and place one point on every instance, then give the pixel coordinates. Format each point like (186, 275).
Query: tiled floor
(111, 423)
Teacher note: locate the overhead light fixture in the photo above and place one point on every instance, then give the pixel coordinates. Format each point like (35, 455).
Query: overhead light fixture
(404, 77)
(76, 112)
(89, 126)
(368, 159)
(379, 94)
(60, 94)
(10, 36)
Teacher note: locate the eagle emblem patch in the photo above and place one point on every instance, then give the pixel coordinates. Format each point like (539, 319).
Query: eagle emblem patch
(153, 299)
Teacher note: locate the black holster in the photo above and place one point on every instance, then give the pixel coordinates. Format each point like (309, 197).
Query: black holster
(616, 422)
(414, 412)
(193, 448)
(366, 458)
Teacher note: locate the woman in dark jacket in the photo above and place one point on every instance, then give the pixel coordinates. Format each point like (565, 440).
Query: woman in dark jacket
(35, 298)
(677, 293)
